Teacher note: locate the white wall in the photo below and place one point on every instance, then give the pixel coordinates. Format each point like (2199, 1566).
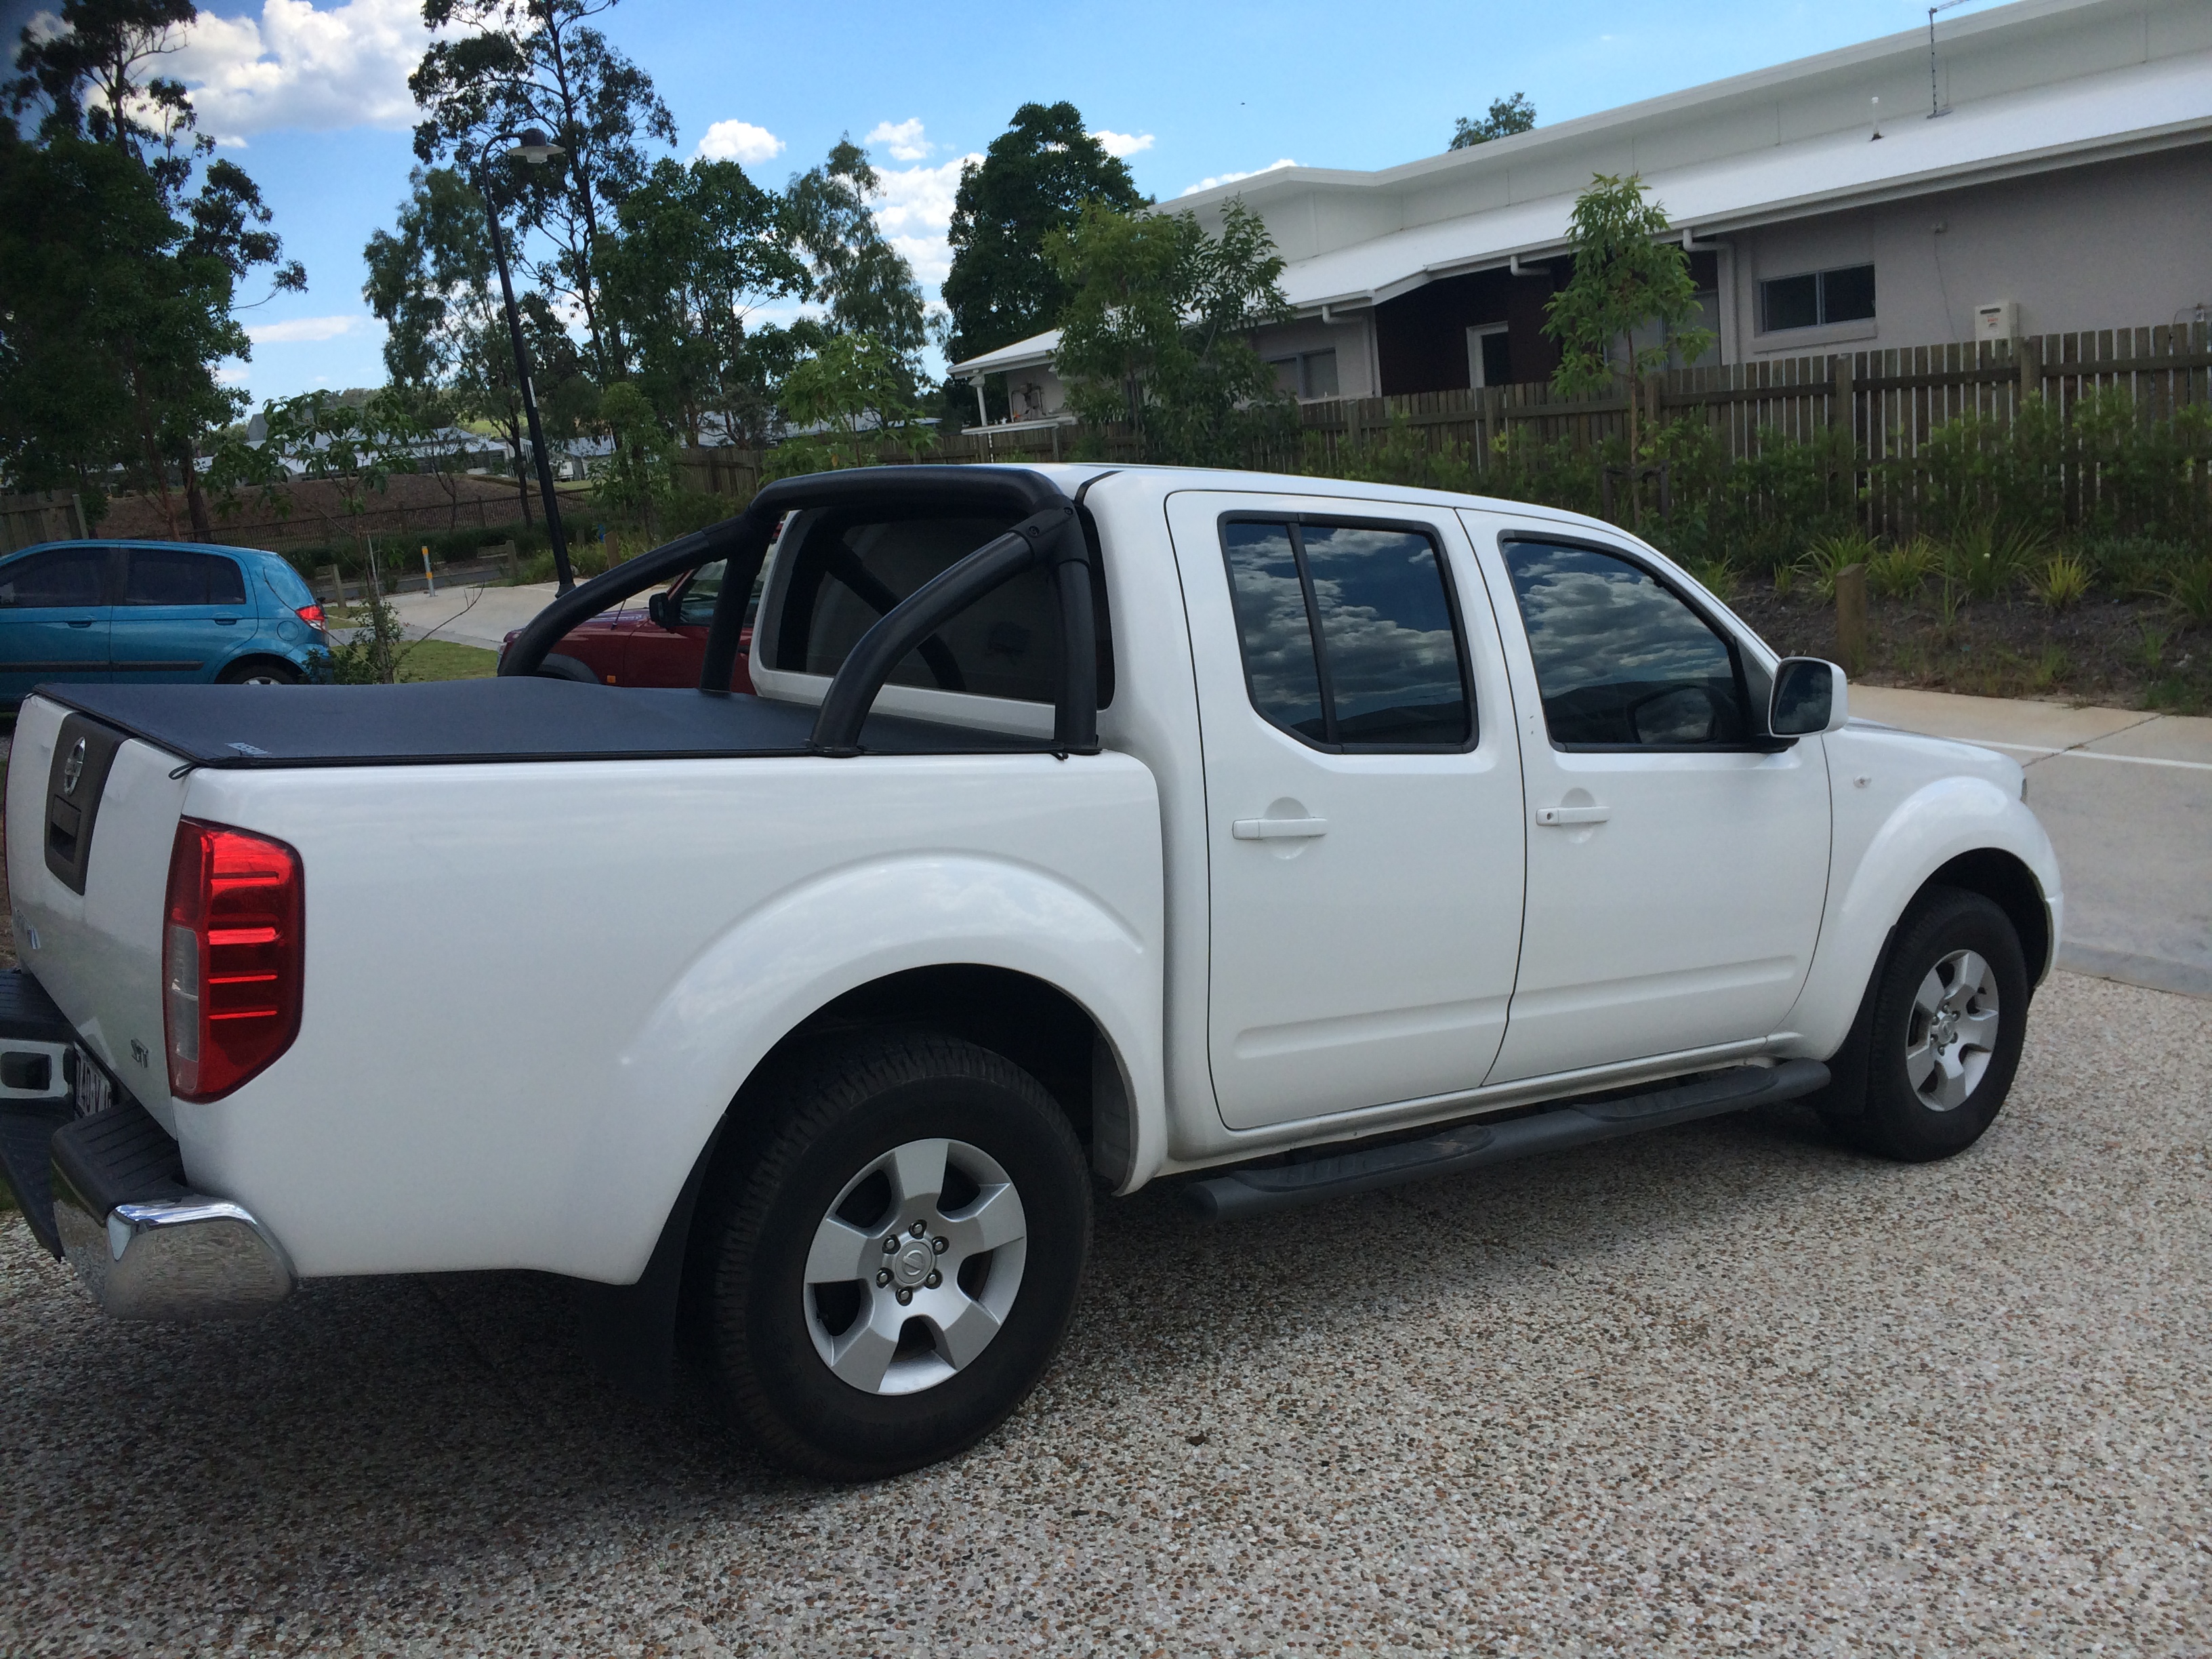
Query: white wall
(2122, 244)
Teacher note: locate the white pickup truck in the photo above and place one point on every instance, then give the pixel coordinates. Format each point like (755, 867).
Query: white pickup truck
(1284, 836)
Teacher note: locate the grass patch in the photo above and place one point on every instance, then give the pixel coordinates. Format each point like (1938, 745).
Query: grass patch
(443, 660)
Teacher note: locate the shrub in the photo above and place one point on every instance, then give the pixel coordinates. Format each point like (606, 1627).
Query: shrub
(2190, 591)
(1901, 570)
(2061, 581)
(1990, 561)
(1829, 554)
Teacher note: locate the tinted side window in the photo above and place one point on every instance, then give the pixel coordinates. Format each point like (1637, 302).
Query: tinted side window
(850, 571)
(1621, 662)
(1347, 634)
(73, 575)
(166, 575)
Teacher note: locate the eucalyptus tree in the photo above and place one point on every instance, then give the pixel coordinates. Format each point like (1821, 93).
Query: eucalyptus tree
(701, 247)
(866, 284)
(115, 186)
(499, 66)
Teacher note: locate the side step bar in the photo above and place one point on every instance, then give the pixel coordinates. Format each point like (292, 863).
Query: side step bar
(1476, 1145)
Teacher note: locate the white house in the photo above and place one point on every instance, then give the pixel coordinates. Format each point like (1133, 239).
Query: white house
(2053, 174)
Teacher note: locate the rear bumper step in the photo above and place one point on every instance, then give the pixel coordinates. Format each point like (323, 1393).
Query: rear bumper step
(144, 1246)
(1475, 1145)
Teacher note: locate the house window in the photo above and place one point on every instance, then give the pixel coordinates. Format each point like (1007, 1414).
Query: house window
(1488, 362)
(1845, 295)
(1309, 374)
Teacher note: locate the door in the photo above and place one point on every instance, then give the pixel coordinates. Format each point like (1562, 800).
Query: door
(53, 618)
(654, 655)
(183, 615)
(1363, 816)
(1678, 863)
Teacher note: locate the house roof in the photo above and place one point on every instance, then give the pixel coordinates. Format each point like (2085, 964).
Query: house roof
(2031, 87)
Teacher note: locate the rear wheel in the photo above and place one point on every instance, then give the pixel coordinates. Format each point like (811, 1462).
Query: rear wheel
(1948, 1020)
(263, 670)
(890, 1266)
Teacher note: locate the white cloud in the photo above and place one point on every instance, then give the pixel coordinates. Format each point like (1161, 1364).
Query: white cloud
(903, 139)
(739, 140)
(1231, 177)
(914, 208)
(293, 330)
(302, 68)
(1122, 144)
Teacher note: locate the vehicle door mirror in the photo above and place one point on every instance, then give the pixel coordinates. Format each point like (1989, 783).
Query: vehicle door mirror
(661, 608)
(1808, 697)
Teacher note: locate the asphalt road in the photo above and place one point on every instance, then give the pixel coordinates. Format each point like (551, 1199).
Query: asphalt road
(1723, 1387)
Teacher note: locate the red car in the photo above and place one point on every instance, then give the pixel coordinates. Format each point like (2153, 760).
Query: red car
(661, 641)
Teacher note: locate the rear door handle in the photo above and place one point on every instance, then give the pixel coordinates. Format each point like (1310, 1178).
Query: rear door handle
(226, 622)
(1565, 815)
(86, 622)
(1278, 828)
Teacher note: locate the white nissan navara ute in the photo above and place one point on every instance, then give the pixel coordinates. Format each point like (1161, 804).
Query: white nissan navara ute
(1086, 827)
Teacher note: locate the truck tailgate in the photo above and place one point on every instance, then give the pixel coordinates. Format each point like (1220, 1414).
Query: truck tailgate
(98, 952)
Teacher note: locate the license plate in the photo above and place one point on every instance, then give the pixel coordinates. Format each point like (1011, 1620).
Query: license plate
(95, 1091)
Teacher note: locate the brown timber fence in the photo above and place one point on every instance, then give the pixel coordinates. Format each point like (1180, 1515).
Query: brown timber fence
(1890, 402)
(49, 516)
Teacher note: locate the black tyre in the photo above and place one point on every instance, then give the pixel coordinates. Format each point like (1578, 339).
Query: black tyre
(261, 671)
(890, 1263)
(558, 667)
(1948, 1017)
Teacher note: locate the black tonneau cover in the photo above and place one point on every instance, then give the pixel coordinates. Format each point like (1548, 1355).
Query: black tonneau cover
(515, 718)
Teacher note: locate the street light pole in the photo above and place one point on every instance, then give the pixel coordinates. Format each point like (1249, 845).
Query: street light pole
(532, 146)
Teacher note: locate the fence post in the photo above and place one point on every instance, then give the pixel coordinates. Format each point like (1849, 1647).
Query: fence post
(1851, 616)
(2031, 375)
(1841, 414)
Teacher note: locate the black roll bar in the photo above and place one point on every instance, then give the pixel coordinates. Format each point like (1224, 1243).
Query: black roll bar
(1050, 536)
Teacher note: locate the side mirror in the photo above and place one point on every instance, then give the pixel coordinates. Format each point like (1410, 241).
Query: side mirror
(657, 607)
(1808, 697)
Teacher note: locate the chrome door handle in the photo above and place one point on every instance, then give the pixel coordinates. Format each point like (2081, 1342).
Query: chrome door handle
(1557, 816)
(1278, 828)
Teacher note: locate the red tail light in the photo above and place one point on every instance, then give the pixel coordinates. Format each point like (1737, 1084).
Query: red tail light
(231, 959)
(312, 615)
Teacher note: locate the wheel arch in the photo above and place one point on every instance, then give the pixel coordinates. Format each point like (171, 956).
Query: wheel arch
(2004, 879)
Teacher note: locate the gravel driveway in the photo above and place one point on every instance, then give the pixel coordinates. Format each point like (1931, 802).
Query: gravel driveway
(1725, 1386)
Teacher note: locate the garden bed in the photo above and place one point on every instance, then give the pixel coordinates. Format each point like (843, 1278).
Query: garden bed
(2124, 652)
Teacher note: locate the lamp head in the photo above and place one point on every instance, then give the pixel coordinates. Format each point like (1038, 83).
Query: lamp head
(532, 145)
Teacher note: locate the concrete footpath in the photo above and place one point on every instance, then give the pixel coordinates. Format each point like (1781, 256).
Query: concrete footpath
(2127, 799)
(482, 616)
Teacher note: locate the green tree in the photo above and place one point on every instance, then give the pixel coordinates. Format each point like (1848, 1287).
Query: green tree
(854, 397)
(169, 255)
(502, 65)
(701, 247)
(1625, 282)
(1157, 332)
(1033, 183)
(866, 282)
(1508, 115)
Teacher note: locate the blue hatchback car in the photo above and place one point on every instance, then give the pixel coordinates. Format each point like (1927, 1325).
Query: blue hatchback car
(138, 612)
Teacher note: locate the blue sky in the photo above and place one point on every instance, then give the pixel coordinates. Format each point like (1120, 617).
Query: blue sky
(311, 95)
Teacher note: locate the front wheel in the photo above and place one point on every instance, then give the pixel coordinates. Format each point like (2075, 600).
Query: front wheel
(890, 1265)
(1948, 1021)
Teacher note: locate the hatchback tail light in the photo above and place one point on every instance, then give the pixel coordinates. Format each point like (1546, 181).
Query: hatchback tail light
(312, 615)
(232, 956)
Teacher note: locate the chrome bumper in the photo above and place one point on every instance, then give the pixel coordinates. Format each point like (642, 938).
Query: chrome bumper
(178, 1258)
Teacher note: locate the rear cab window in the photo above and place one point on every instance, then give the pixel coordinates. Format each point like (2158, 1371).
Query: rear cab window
(1349, 633)
(837, 573)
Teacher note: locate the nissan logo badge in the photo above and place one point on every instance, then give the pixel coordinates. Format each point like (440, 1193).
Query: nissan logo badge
(72, 769)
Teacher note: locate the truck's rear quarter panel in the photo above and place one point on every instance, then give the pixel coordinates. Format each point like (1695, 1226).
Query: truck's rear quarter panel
(532, 989)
